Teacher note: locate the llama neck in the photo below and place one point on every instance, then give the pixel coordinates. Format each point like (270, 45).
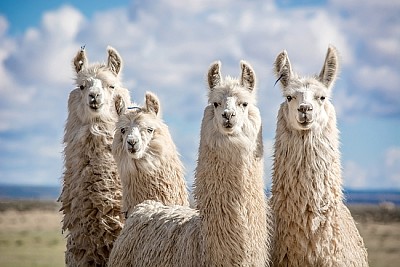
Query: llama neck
(230, 198)
(307, 170)
(152, 178)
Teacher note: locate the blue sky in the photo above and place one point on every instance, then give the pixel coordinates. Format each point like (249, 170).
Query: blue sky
(167, 47)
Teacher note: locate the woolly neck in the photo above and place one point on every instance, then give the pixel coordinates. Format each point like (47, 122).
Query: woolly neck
(230, 198)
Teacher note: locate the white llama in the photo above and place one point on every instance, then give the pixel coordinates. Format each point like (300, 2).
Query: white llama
(91, 193)
(231, 226)
(313, 227)
(148, 162)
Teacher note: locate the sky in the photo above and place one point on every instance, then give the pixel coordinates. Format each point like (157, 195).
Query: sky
(167, 47)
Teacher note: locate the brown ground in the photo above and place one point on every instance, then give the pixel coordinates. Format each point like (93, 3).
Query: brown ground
(30, 234)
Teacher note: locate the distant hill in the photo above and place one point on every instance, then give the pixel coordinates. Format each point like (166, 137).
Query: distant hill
(372, 196)
(53, 192)
(29, 192)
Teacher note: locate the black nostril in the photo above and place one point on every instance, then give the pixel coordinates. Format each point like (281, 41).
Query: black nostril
(304, 108)
(131, 142)
(228, 115)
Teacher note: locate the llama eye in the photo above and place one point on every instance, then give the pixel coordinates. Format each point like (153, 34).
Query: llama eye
(82, 87)
(150, 130)
(216, 104)
(244, 104)
(289, 98)
(112, 86)
(123, 130)
(322, 98)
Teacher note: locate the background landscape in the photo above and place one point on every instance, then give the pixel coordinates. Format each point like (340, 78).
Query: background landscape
(167, 46)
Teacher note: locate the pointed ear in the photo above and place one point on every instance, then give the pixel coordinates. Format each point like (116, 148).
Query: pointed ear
(152, 103)
(330, 68)
(80, 61)
(282, 68)
(247, 77)
(114, 61)
(120, 105)
(214, 74)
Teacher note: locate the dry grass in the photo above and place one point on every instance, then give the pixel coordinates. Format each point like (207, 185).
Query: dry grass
(31, 237)
(30, 234)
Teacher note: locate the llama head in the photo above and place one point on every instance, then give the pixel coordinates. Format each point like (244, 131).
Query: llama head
(307, 104)
(96, 85)
(231, 98)
(137, 126)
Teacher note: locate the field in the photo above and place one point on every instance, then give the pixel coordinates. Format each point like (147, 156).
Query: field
(30, 234)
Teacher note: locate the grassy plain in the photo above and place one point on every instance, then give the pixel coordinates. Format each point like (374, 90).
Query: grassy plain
(30, 234)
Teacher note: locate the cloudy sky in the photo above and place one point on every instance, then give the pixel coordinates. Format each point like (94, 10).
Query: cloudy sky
(167, 47)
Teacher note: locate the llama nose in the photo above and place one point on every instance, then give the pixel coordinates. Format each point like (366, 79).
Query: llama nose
(93, 97)
(304, 107)
(228, 114)
(131, 142)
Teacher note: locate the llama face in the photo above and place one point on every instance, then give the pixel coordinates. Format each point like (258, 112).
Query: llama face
(307, 105)
(96, 95)
(307, 99)
(230, 98)
(230, 110)
(96, 85)
(136, 130)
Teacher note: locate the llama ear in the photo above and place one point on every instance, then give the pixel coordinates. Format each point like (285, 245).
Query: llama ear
(152, 103)
(282, 68)
(114, 61)
(214, 74)
(330, 68)
(247, 77)
(120, 105)
(80, 61)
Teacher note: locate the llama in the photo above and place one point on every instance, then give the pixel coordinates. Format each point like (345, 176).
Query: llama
(146, 156)
(313, 227)
(232, 224)
(91, 193)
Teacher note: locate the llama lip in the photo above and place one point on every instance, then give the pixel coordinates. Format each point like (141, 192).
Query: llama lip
(95, 107)
(227, 124)
(132, 150)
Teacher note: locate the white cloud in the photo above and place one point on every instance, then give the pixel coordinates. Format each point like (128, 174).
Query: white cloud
(392, 165)
(384, 173)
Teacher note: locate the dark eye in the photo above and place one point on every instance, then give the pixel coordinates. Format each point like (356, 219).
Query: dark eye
(244, 104)
(289, 98)
(216, 104)
(150, 130)
(82, 87)
(322, 98)
(123, 130)
(112, 86)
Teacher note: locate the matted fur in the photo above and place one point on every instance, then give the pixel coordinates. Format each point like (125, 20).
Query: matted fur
(91, 193)
(232, 224)
(313, 227)
(147, 159)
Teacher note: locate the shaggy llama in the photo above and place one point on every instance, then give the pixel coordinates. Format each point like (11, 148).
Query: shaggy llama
(91, 193)
(231, 225)
(313, 227)
(146, 156)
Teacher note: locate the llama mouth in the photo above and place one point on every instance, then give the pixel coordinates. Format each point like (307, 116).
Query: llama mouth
(306, 123)
(95, 107)
(132, 150)
(228, 125)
